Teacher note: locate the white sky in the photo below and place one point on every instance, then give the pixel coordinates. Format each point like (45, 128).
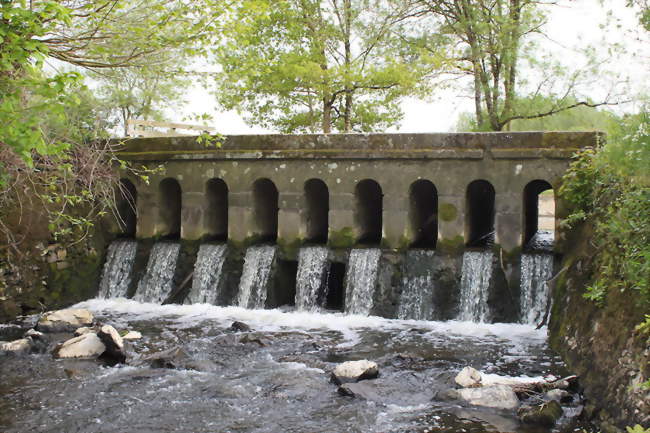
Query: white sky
(572, 24)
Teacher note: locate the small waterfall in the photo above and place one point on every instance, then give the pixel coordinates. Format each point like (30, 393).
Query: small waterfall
(116, 275)
(207, 274)
(536, 270)
(361, 280)
(258, 266)
(311, 279)
(157, 283)
(474, 286)
(416, 301)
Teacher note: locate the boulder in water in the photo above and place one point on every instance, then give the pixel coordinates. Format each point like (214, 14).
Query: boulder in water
(132, 335)
(64, 320)
(239, 327)
(113, 342)
(175, 358)
(84, 346)
(248, 338)
(359, 390)
(23, 345)
(545, 414)
(497, 396)
(354, 371)
(469, 378)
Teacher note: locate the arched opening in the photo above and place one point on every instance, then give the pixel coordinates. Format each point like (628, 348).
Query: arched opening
(369, 207)
(318, 205)
(479, 219)
(170, 208)
(265, 210)
(539, 210)
(127, 197)
(423, 214)
(216, 213)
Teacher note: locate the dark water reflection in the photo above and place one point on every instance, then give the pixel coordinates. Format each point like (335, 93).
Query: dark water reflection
(277, 382)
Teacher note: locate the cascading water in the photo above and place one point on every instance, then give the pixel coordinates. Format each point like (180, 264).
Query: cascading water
(311, 279)
(207, 274)
(258, 267)
(536, 270)
(474, 286)
(157, 283)
(116, 275)
(416, 301)
(361, 280)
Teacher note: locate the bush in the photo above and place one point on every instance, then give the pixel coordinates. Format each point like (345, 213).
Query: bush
(610, 187)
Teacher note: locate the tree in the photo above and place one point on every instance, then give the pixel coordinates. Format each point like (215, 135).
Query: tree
(308, 65)
(489, 41)
(140, 93)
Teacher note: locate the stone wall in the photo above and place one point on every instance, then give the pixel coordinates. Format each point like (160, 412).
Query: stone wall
(508, 161)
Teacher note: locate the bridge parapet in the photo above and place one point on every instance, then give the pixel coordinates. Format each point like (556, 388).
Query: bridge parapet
(390, 211)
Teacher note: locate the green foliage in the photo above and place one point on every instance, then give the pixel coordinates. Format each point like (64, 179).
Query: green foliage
(637, 429)
(610, 187)
(305, 66)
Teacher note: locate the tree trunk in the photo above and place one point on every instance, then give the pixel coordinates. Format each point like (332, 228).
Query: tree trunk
(347, 114)
(327, 115)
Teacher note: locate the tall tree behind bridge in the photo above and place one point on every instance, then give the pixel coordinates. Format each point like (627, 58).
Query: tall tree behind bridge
(318, 65)
(490, 42)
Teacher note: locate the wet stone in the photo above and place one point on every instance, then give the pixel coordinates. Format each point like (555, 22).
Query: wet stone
(545, 414)
(469, 378)
(64, 320)
(84, 346)
(239, 327)
(354, 371)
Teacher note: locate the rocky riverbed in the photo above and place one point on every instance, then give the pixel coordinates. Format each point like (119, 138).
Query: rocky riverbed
(214, 369)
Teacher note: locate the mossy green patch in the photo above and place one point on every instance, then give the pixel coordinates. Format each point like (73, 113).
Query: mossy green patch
(343, 238)
(447, 212)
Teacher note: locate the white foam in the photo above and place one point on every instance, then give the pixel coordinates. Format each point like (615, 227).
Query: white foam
(488, 379)
(276, 320)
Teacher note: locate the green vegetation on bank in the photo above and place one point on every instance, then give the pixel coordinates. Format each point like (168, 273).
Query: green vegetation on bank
(610, 188)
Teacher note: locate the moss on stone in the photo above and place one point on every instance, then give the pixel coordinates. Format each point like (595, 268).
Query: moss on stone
(343, 238)
(447, 212)
(451, 246)
(289, 247)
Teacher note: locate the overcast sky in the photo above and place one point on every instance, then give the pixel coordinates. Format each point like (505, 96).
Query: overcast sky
(572, 24)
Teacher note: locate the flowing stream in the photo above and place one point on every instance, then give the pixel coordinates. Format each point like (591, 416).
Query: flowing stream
(536, 270)
(475, 285)
(416, 301)
(311, 279)
(361, 280)
(256, 276)
(232, 383)
(208, 268)
(158, 282)
(116, 275)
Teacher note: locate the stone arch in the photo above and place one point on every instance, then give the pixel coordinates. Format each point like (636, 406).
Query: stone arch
(368, 211)
(317, 202)
(479, 214)
(534, 204)
(423, 213)
(216, 212)
(265, 210)
(127, 198)
(171, 202)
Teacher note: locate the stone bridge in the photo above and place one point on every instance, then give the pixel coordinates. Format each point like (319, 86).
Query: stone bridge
(392, 190)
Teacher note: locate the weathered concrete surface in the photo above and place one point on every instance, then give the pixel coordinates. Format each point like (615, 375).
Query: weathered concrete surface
(509, 161)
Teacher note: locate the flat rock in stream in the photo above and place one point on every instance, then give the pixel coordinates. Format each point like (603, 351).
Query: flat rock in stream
(21, 346)
(83, 346)
(177, 359)
(64, 320)
(362, 390)
(354, 371)
(497, 396)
